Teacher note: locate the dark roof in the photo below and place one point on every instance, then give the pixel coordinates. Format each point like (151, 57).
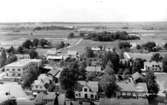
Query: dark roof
(50, 96)
(53, 72)
(39, 98)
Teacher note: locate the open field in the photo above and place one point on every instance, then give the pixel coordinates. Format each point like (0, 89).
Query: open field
(15, 38)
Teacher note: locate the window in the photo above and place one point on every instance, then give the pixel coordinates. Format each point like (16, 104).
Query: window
(86, 95)
(18, 69)
(13, 74)
(13, 69)
(36, 86)
(79, 94)
(19, 74)
(6, 74)
(7, 69)
(85, 89)
(91, 96)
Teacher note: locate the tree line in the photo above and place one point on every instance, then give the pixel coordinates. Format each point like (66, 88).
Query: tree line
(107, 36)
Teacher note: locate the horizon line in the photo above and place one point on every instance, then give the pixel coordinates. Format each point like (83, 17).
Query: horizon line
(82, 22)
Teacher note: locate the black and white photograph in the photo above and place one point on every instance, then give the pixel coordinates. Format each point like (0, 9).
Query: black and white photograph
(83, 52)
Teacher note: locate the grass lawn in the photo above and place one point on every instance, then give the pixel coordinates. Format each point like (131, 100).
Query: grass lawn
(115, 101)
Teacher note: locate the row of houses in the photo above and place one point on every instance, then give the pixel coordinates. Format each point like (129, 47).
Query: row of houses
(148, 65)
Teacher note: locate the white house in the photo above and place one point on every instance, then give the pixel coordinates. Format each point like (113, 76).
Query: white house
(87, 90)
(153, 65)
(17, 69)
(39, 84)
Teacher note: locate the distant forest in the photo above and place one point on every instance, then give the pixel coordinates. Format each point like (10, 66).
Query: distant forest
(111, 36)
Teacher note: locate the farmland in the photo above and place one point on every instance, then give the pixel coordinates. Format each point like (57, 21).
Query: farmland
(157, 34)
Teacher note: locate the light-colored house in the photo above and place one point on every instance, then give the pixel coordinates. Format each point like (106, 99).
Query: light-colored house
(39, 84)
(22, 56)
(93, 69)
(87, 90)
(153, 65)
(17, 69)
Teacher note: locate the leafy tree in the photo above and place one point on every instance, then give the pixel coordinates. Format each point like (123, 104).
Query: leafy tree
(33, 54)
(35, 42)
(124, 45)
(89, 52)
(60, 45)
(138, 64)
(165, 46)
(29, 77)
(27, 44)
(9, 102)
(43, 43)
(11, 58)
(69, 76)
(138, 47)
(70, 94)
(108, 69)
(152, 85)
(149, 46)
(164, 63)
(3, 58)
(20, 50)
(108, 85)
(11, 50)
(82, 71)
(71, 35)
(113, 57)
(156, 57)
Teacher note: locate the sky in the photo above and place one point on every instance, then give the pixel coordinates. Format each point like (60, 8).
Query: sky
(82, 10)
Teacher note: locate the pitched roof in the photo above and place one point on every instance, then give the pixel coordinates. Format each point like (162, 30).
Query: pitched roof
(50, 96)
(128, 86)
(92, 85)
(146, 56)
(39, 98)
(53, 72)
(136, 76)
